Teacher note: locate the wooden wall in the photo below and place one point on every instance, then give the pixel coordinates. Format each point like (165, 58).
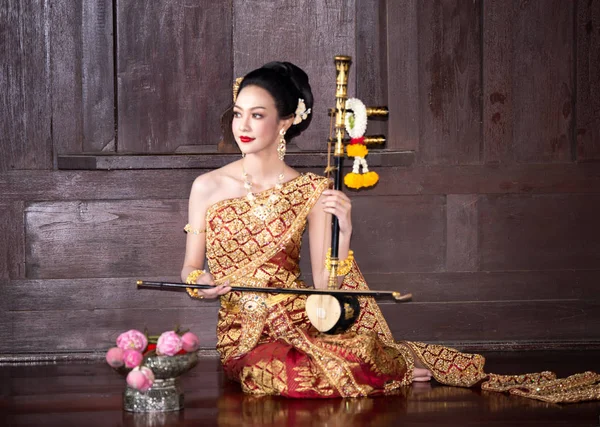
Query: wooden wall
(490, 179)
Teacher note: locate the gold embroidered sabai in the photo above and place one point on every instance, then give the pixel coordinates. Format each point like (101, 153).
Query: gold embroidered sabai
(267, 343)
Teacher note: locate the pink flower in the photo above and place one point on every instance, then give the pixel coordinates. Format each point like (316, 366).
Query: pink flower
(114, 357)
(148, 372)
(132, 339)
(169, 343)
(140, 380)
(190, 342)
(132, 358)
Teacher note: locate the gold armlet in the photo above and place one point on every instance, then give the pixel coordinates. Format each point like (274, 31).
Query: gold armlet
(191, 280)
(344, 266)
(188, 229)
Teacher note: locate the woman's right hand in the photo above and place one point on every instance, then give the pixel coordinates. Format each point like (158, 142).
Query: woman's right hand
(216, 291)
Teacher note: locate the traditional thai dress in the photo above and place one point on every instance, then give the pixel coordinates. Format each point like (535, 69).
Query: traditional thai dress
(267, 344)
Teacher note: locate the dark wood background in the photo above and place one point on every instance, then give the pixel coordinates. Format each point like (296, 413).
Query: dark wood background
(487, 210)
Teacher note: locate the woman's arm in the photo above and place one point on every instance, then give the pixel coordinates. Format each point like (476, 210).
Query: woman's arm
(331, 202)
(195, 247)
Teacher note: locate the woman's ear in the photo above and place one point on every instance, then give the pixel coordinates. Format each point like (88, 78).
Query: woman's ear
(287, 123)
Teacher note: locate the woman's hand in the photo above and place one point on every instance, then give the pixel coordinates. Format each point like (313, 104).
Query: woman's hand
(337, 203)
(215, 291)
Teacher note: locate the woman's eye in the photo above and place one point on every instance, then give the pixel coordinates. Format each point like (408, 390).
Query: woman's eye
(237, 114)
(257, 116)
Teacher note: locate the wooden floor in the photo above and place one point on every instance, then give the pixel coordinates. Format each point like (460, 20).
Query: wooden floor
(89, 394)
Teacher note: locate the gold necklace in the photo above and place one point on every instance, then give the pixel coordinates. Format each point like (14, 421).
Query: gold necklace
(266, 209)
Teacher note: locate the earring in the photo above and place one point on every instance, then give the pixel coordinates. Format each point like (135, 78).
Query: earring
(243, 155)
(281, 146)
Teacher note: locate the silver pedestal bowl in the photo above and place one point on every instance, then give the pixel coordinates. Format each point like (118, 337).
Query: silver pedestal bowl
(166, 393)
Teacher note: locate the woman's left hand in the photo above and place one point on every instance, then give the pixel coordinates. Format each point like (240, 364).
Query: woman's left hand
(337, 203)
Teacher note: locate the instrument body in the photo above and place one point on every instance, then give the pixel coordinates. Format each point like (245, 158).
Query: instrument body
(332, 314)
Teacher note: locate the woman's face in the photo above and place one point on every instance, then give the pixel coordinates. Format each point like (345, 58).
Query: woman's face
(256, 123)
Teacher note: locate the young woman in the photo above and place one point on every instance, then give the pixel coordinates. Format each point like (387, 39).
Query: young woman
(247, 219)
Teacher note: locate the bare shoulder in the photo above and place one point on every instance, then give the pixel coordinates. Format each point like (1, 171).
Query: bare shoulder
(216, 185)
(206, 183)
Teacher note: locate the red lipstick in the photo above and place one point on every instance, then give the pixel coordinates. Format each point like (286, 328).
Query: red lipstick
(246, 139)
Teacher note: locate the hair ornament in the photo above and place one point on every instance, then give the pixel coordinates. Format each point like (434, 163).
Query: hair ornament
(236, 87)
(301, 112)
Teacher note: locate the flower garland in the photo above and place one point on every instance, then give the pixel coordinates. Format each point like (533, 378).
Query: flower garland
(133, 346)
(356, 125)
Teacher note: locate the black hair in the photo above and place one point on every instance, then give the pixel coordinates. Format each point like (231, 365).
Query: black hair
(286, 83)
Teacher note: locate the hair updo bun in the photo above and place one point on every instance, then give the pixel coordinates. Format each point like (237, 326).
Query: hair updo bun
(286, 83)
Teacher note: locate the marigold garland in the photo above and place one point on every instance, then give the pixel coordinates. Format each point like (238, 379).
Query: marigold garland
(353, 180)
(356, 125)
(357, 150)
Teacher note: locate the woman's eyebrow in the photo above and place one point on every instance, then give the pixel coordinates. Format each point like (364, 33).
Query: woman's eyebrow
(253, 108)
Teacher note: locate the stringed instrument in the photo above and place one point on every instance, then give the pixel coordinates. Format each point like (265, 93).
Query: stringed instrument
(329, 310)
(332, 312)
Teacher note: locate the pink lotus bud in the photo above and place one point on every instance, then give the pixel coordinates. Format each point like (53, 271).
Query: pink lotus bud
(146, 386)
(114, 357)
(190, 342)
(137, 380)
(148, 373)
(169, 343)
(132, 339)
(132, 358)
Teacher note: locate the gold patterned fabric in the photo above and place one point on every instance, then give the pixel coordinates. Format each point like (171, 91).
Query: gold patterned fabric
(267, 343)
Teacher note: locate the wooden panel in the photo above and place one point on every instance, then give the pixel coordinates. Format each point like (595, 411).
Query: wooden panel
(105, 239)
(308, 33)
(542, 79)
(505, 321)
(125, 238)
(298, 159)
(97, 294)
(98, 76)
(509, 321)
(6, 320)
(542, 232)
(546, 179)
(174, 81)
(401, 234)
(25, 125)
(82, 77)
(370, 64)
(498, 96)
(462, 228)
(66, 84)
(157, 184)
(12, 250)
(121, 293)
(449, 81)
(176, 184)
(497, 309)
(88, 330)
(403, 74)
(503, 286)
(588, 83)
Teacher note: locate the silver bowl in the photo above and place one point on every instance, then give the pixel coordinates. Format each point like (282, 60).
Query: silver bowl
(166, 393)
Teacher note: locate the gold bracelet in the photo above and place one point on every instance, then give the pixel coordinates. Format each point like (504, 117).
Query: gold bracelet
(191, 280)
(344, 266)
(188, 229)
